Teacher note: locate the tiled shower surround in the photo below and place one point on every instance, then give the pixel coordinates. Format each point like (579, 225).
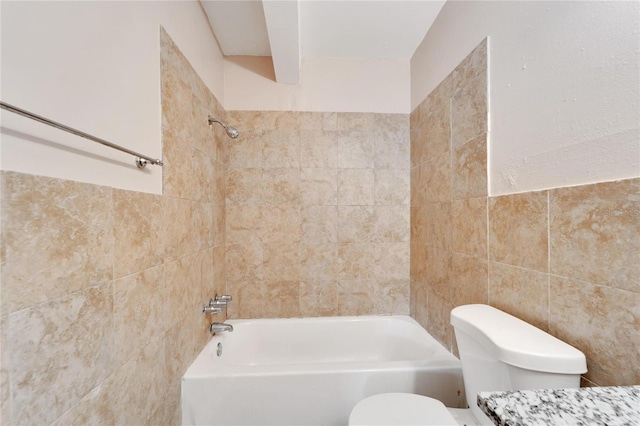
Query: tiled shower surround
(102, 288)
(566, 260)
(318, 214)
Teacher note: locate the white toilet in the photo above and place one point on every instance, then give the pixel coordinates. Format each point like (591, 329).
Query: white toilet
(497, 352)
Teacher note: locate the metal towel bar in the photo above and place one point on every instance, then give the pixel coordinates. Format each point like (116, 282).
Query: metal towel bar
(141, 160)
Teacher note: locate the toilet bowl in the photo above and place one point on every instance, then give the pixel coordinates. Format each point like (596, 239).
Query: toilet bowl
(497, 352)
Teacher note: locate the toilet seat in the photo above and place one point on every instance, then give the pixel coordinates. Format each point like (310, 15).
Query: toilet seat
(403, 409)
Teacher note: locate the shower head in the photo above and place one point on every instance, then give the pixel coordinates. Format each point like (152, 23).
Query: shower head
(232, 132)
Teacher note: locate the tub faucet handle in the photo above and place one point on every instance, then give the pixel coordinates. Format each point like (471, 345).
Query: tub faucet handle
(222, 298)
(212, 307)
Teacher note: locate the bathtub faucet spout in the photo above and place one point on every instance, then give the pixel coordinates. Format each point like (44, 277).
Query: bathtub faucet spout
(218, 327)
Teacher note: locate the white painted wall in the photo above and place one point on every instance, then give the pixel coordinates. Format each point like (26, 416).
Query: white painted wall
(95, 66)
(326, 84)
(564, 87)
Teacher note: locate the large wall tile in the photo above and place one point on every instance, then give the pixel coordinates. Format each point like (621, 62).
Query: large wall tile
(246, 151)
(244, 186)
(439, 225)
(355, 297)
(318, 149)
(248, 299)
(438, 178)
(356, 223)
(356, 262)
(138, 305)
(281, 186)
(392, 224)
(281, 148)
(475, 63)
(392, 187)
(137, 232)
(595, 233)
(392, 261)
(356, 150)
(283, 299)
(356, 187)
(469, 276)
(438, 272)
(469, 169)
(318, 120)
(351, 121)
(46, 340)
(521, 292)
(392, 149)
(281, 261)
(518, 230)
(469, 110)
(57, 237)
(391, 297)
(319, 298)
(319, 262)
(469, 227)
(319, 224)
(319, 187)
(603, 323)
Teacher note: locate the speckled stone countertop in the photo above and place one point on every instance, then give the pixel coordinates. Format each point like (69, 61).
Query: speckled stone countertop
(584, 406)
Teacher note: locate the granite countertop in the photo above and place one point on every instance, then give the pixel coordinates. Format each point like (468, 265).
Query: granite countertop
(608, 406)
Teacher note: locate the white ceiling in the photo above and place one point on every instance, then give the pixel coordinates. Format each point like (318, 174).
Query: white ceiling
(366, 29)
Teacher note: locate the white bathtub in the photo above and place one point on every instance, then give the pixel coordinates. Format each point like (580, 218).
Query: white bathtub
(312, 371)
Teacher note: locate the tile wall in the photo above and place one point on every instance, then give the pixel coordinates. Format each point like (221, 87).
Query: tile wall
(102, 288)
(566, 260)
(318, 214)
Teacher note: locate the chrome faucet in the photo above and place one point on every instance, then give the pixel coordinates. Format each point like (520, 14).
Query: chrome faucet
(218, 327)
(216, 304)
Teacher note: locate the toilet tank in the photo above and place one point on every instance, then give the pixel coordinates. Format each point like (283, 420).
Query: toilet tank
(501, 352)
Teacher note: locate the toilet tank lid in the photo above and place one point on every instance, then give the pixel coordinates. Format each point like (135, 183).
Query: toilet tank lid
(516, 342)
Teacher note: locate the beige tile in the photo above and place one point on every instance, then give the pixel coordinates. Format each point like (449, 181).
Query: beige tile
(318, 149)
(419, 300)
(355, 297)
(437, 173)
(392, 187)
(281, 186)
(318, 298)
(603, 323)
(244, 261)
(137, 231)
(319, 187)
(319, 224)
(418, 261)
(356, 261)
(244, 223)
(57, 237)
(520, 292)
(439, 271)
(246, 151)
(281, 224)
(75, 330)
(244, 186)
(392, 261)
(438, 128)
(419, 223)
(356, 150)
(179, 240)
(469, 227)
(391, 122)
(319, 262)
(416, 117)
(439, 225)
(595, 233)
(418, 145)
(469, 169)
(469, 280)
(248, 299)
(418, 189)
(439, 98)
(474, 64)
(5, 387)
(318, 120)
(392, 149)
(355, 121)
(391, 297)
(277, 120)
(281, 261)
(138, 304)
(518, 230)
(469, 110)
(219, 189)
(356, 187)
(202, 177)
(219, 270)
(283, 299)
(438, 319)
(391, 224)
(180, 289)
(281, 148)
(356, 223)
(219, 224)
(128, 396)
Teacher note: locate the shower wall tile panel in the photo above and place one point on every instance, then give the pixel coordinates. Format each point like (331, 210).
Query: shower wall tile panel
(323, 208)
